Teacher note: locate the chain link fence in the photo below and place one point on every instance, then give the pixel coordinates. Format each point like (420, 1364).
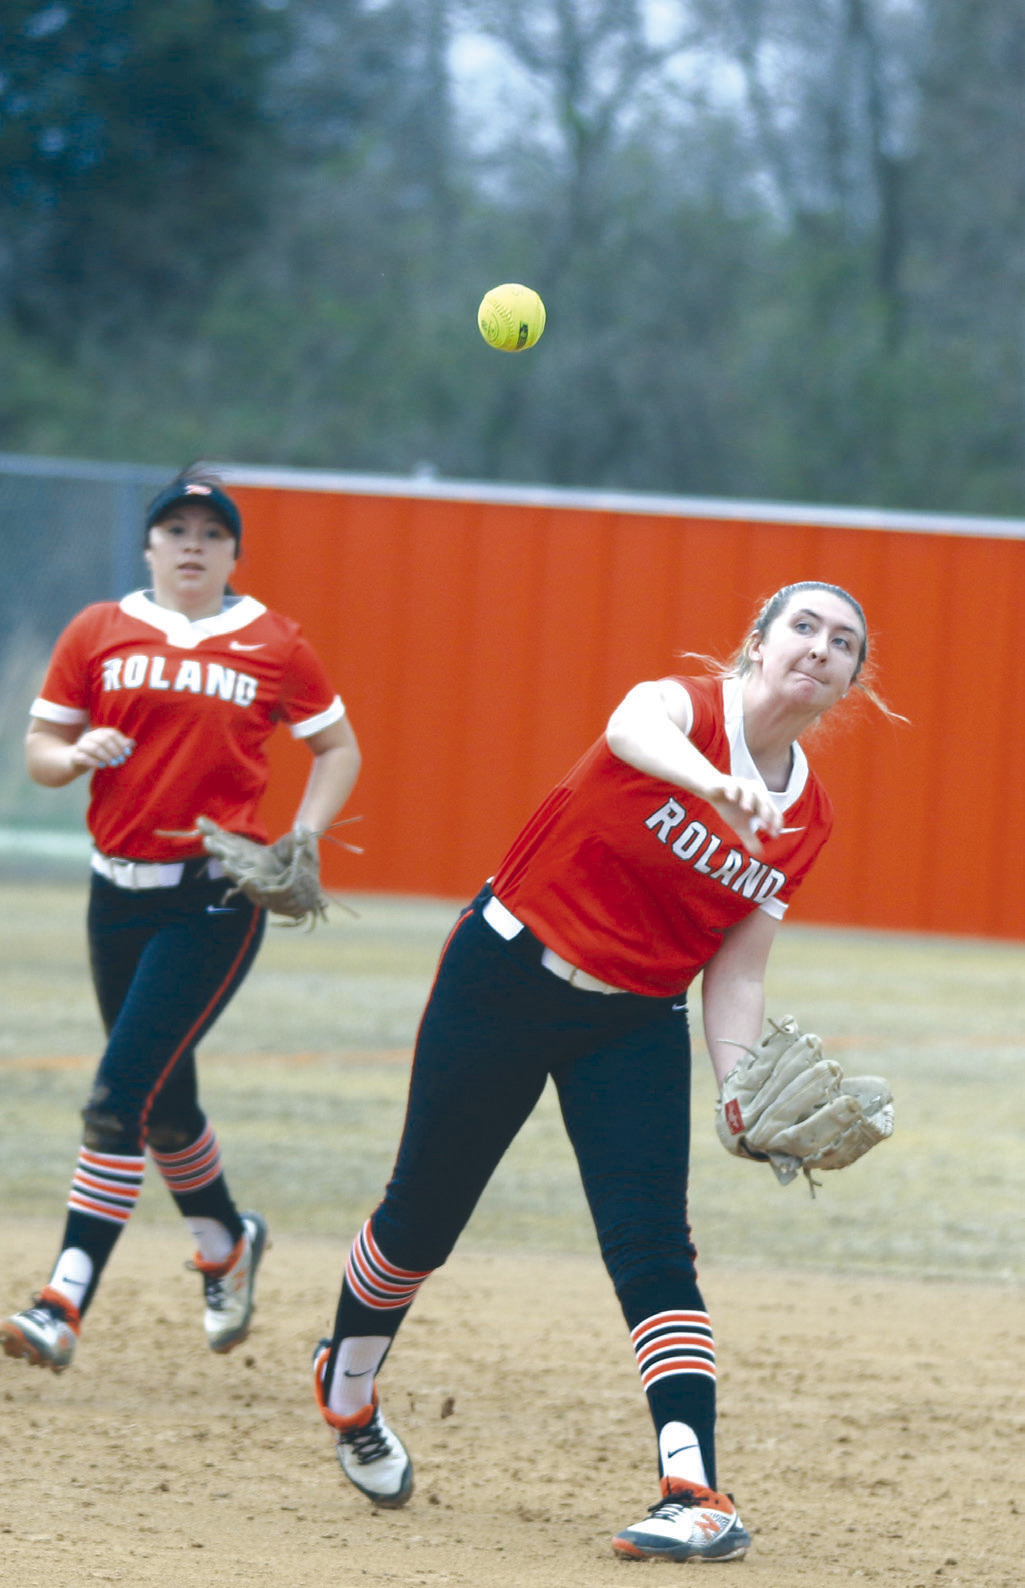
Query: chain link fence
(70, 533)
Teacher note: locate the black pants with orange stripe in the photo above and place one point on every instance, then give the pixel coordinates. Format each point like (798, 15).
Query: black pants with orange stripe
(165, 963)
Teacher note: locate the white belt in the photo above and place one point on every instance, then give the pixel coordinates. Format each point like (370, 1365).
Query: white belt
(139, 874)
(508, 926)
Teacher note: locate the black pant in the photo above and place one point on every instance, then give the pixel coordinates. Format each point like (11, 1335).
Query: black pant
(165, 963)
(496, 1026)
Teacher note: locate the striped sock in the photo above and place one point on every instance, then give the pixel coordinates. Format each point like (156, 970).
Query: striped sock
(374, 1281)
(376, 1295)
(106, 1185)
(676, 1360)
(671, 1343)
(194, 1167)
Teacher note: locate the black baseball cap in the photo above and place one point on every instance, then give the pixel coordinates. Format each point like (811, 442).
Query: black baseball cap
(197, 491)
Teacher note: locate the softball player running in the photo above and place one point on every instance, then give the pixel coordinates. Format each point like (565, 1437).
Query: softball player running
(165, 700)
(672, 847)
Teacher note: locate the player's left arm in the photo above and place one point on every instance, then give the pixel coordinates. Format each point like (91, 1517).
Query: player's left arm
(336, 764)
(733, 990)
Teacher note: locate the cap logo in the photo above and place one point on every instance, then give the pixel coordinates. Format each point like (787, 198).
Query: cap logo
(183, 491)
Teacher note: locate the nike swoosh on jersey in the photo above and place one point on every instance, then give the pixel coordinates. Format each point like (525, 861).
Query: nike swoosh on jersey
(236, 645)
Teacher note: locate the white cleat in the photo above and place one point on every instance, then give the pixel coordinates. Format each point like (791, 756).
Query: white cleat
(45, 1334)
(690, 1522)
(230, 1291)
(371, 1456)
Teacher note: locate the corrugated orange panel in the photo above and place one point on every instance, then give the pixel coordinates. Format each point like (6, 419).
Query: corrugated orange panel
(479, 647)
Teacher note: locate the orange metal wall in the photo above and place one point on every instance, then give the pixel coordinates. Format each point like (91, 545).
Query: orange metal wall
(480, 646)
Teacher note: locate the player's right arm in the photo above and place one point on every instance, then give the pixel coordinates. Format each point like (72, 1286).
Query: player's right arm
(649, 730)
(57, 752)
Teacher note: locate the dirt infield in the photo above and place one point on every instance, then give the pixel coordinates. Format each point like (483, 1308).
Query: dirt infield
(872, 1425)
(871, 1430)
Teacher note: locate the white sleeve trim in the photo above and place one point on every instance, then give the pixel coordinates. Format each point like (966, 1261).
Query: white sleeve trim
(774, 907)
(310, 725)
(49, 711)
(689, 724)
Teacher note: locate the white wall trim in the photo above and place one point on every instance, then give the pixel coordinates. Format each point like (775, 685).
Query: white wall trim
(707, 507)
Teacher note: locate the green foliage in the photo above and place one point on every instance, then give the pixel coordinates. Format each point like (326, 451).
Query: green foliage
(133, 161)
(772, 269)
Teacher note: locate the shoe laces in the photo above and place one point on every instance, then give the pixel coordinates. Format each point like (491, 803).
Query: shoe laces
(671, 1505)
(41, 1313)
(45, 1311)
(217, 1288)
(669, 1510)
(216, 1292)
(370, 1442)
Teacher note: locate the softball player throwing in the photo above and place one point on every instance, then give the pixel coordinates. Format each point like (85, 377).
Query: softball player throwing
(165, 700)
(672, 847)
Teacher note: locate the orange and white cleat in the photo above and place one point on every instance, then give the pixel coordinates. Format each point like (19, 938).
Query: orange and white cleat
(45, 1334)
(373, 1458)
(229, 1288)
(690, 1522)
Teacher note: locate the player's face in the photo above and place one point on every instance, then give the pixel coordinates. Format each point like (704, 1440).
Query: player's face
(190, 555)
(810, 653)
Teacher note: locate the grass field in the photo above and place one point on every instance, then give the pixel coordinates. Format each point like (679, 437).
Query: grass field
(305, 1078)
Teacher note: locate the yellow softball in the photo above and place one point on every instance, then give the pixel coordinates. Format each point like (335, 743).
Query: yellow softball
(511, 317)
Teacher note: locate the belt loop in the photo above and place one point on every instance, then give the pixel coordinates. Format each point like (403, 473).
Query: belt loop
(501, 920)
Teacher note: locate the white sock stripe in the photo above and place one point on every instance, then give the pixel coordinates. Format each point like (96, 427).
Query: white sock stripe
(129, 1179)
(121, 1185)
(179, 1184)
(670, 1322)
(365, 1296)
(184, 1154)
(374, 1294)
(675, 1345)
(114, 1163)
(192, 1174)
(377, 1270)
(366, 1236)
(103, 1197)
(96, 1210)
(670, 1343)
(106, 1186)
(195, 1160)
(671, 1369)
(376, 1282)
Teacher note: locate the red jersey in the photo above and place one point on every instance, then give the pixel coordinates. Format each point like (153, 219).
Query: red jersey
(200, 699)
(634, 880)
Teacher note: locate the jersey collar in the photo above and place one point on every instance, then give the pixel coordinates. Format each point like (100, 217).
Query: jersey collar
(741, 762)
(181, 631)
